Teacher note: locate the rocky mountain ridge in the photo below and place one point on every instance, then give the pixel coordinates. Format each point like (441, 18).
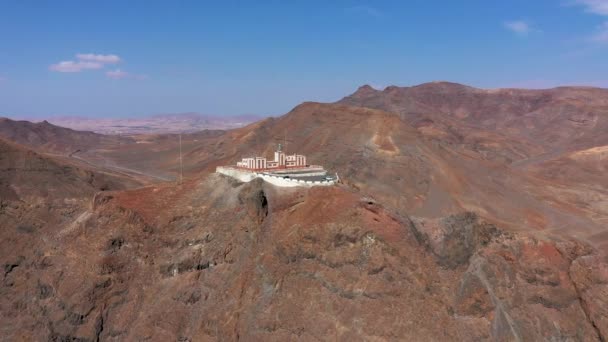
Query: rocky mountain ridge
(447, 227)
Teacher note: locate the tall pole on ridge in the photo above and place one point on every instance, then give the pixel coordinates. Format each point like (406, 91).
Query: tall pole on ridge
(181, 165)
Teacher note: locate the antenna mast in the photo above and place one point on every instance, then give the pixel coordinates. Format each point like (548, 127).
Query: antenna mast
(181, 165)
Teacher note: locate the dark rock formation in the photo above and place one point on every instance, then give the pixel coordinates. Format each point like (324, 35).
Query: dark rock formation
(258, 264)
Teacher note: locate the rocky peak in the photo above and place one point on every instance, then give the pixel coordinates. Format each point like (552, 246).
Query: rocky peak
(364, 90)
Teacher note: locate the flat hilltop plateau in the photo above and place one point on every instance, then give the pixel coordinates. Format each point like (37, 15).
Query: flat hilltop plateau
(462, 214)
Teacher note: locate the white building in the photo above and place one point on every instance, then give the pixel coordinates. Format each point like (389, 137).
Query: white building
(281, 161)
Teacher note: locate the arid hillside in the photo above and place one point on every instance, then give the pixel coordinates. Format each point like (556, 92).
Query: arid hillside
(431, 150)
(215, 259)
(554, 137)
(50, 138)
(385, 157)
(559, 118)
(147, 158)
(31, 177)
(445, 226)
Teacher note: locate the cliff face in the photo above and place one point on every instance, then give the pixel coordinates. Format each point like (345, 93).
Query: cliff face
(215, 259)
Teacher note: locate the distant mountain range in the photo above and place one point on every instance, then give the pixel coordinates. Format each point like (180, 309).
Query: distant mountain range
(154, 124)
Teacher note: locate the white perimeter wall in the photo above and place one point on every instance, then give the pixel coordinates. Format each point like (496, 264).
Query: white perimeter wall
(307, 174)
(245, 176)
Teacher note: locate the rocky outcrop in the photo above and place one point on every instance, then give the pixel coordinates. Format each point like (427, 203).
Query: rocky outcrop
(255, 200)
(589, 273)
(453, 240)
(222, 260)
(517, 287)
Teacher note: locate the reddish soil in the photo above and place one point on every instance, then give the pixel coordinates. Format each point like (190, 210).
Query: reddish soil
(220, 260)
(464, 214)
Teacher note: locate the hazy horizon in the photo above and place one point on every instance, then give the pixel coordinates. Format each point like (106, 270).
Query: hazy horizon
(43, 117)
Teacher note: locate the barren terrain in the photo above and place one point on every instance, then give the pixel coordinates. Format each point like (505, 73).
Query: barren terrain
(463, 214)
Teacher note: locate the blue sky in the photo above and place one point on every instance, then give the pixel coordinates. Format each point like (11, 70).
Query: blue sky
(132, 58)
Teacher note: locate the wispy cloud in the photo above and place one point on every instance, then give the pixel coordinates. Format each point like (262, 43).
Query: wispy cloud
(120, 75)
(365, 10)
(594, 6)
(103, 59)
(518, 26)
(86, 61)
(72, 66)
(117, 74)
(91, 61)
(599, 7)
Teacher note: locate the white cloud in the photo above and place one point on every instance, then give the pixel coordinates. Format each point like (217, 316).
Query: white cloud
(117, 74)
(518, 26)
(120, 75)
(103, 59)
(594, 6)
(86, 61)
(71, 66)
(91, 61)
